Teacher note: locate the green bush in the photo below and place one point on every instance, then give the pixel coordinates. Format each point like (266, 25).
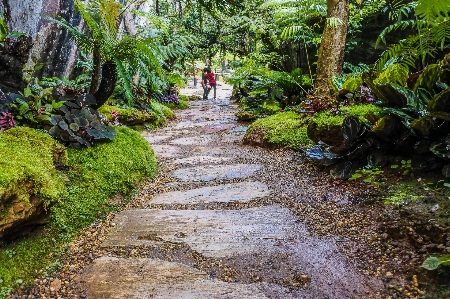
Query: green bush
(96, 175)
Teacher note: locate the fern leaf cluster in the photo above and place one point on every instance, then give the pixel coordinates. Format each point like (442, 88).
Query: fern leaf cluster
(430, 21)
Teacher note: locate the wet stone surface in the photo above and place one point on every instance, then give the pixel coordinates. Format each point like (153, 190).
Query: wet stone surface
(201, 160)
(196, 140)
(152, 278)
(238, 192)
(213, 172)
(213, 233)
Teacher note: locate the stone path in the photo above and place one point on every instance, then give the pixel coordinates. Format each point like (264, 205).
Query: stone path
(218, 231)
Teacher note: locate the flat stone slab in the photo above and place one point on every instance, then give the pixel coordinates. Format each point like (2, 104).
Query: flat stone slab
(237, 192)
(113, 278)
(157, 138)
(166, 151)
(211, 172)
(213, 233)
(216, 128)
(201, 159)
(195, 140)
(191, 124)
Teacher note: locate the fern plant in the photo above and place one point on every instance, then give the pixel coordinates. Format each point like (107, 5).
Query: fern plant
(431, 21)
(114, 53)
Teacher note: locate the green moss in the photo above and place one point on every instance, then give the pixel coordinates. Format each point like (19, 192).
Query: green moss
(133, 116)
(168, 113)
(182, 105)
(127, 115)
(326, 118)
(271, 107)
(100, 172)
(287, 129)
(26, 170)
(96, 175)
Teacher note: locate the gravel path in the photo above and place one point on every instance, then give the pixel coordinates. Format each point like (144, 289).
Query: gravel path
(222, 220)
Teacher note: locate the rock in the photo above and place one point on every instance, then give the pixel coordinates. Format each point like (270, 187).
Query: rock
(11, 62)
(389, 275)
(153, 278)
(213, 172)
(237, 192)
(21, 215)
(246, 115)
(56, 285)
(331, 135)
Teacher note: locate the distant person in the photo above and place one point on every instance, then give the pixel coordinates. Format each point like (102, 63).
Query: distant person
(205, 84)
(207, 62)
(211, 77)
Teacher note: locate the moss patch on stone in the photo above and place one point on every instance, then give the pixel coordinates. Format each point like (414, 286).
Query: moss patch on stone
(182, 105)
(27, 165)
(362, 112)
(286, 129)
(289, 129)
(132, 116)
(96, 175)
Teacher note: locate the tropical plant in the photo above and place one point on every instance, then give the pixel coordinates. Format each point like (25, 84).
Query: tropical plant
(113, 53)
(431, 23)
(76, 124)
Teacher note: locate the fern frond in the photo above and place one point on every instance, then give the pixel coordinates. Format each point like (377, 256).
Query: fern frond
(82, 40)
(430, 10)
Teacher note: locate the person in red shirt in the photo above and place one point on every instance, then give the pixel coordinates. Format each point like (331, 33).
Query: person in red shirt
(211, 77)
(205, 84)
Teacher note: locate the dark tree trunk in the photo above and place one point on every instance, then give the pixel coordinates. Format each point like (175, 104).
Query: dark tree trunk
(96, 76)
(332, 48)
(107, 85)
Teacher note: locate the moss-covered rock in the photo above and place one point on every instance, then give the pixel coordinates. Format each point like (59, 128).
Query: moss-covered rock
(327, 127)
(424, 125)
(286, 129)
(246, 115)
(271, 107)
(101, 172)
(131, 116)
(29, 182)
(101, 179)
(127, 116)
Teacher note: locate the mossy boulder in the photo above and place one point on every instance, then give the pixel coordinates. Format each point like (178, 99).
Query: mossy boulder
(388, 128)
(327, 127)
(131, 116)
(282, 130)
(127, 116)
(29, 182)
(246, 115)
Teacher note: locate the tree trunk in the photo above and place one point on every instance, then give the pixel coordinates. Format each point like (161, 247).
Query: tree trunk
(109, 78)
(332, 48)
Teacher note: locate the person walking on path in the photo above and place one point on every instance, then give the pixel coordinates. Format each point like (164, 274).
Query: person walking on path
(211, 77)
(205, 84)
